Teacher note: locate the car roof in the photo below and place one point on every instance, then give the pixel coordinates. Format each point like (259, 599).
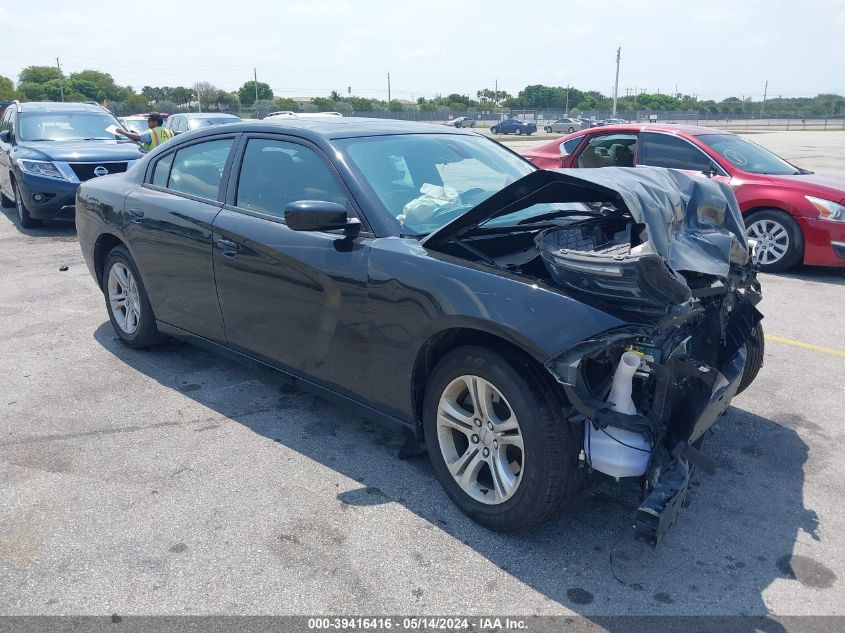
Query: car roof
(689, 130)
(58, 106)
(338, 127)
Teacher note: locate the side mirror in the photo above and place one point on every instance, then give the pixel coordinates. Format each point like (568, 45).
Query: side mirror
(5, 136)
(318, 215)
(177, 132)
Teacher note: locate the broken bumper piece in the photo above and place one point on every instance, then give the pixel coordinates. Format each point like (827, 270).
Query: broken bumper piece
(680, 399)
(658, 511)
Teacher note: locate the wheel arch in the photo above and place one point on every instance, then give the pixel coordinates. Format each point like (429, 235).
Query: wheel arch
(102, 247)
(444, 341)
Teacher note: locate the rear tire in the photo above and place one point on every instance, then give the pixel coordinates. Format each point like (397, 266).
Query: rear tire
(755, 347)
(129, 308)
(781, 241)
(544, 465)
(25, 219)
(570, 130)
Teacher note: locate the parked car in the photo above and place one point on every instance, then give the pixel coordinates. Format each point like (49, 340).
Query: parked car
(611, 122)
(180, 123)
(136, 123)
(47, 149)
(462, 121)
(434, 279)
(514, 126)
(793, 214)
(565, 126)
(287, 114)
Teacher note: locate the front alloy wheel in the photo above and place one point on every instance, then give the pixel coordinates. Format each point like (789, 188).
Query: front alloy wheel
(772, 241)
(496, 439)
(480, 439)
(780, 243)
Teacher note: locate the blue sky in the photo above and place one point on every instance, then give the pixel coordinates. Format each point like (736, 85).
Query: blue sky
(713, 48)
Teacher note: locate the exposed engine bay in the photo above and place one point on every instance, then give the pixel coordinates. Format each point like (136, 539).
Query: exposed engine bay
(665, 252)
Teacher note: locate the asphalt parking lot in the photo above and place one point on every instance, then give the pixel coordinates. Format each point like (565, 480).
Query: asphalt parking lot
(177, 482)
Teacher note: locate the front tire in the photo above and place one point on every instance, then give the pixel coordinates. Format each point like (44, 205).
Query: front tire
(755, 347)
(129, 308)
(25, 219)
(494, 130)
(780, 241)
(570, 130)
(496, 442)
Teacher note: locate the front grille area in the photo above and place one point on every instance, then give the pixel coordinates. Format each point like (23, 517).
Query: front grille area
(85, 171)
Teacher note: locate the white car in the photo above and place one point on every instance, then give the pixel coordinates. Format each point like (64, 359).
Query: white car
(137, 124)
(564, 126)
(462, 121)
(287, 114)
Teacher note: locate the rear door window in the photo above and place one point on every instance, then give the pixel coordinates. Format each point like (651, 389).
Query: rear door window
(665, 150)
(609, 150)
(198, 169)
(161, 171)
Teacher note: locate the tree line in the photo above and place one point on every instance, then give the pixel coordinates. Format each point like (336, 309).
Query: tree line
(38, 83)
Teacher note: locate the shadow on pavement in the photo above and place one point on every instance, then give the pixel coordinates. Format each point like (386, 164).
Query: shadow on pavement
(52, 228)
(734, 540)
(818, 274)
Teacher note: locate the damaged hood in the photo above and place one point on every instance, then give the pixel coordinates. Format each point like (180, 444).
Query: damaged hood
(693, 222)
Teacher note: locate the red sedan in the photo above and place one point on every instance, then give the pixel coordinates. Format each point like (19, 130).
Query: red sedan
(794, 214)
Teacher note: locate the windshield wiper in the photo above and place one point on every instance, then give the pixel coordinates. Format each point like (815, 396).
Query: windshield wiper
(38, 140)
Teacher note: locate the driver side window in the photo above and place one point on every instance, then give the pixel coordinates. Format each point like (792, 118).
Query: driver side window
(665, 150)
(276, 173)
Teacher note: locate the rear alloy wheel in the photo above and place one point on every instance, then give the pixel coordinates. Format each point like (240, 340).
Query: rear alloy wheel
(780, 244)
(26, 220)
(570, 130)
(494, 130)
(126, 301)
(496, 442)
(519, 131)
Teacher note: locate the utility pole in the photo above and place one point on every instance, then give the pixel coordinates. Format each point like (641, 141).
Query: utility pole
(388, 87)
(765, 92)
(567, 99)
(616, 85)
(61, 87)
(496, 93)
(255, 81)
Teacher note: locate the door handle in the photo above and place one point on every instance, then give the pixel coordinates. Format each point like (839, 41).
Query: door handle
(136, 215)
(227, 247)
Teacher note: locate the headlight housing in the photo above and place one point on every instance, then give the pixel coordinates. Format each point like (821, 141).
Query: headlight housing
(828, 210)
(40, 168)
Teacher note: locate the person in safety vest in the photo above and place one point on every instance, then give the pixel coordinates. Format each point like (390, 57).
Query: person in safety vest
(155, 136)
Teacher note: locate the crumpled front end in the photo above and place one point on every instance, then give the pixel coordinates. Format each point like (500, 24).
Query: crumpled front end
(678, 266)
(664, 252)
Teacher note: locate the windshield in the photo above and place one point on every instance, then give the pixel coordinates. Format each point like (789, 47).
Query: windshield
(59, 126)
(195, 124)
(427, 180)
(747, 156)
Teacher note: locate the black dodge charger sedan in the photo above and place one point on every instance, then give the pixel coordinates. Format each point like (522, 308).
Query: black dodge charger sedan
(528, 327)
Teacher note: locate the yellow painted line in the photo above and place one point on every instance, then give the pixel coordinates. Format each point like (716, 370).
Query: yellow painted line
(803, 345)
